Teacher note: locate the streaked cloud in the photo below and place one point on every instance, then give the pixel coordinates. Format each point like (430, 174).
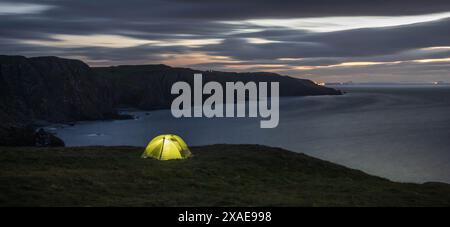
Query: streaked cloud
(195, 58)
(355, 64)
(332, 24)
(70, 41)
(115, 41)
(432, 60)
(442, 48)
(346, 40)
(259, 41)
(13, 8)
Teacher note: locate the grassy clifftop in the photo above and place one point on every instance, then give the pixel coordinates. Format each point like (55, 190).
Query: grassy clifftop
(218, 175)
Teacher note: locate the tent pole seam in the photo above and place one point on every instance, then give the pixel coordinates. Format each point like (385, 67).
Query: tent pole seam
(162, 148)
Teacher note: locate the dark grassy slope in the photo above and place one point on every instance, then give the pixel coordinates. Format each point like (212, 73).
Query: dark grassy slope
(219, 175)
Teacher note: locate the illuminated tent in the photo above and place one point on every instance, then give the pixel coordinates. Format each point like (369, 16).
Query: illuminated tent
(166, 147)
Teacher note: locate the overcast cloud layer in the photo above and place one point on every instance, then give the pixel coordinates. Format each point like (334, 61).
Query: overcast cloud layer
(324, 40)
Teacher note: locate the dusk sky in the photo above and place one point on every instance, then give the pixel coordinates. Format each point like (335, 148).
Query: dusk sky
(326, 41)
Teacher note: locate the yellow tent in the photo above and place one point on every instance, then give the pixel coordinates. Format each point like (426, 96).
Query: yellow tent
(166, 147)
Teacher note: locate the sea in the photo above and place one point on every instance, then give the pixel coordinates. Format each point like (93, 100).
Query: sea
(397, 132)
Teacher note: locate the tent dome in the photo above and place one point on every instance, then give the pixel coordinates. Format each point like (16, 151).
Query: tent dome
(166, 147)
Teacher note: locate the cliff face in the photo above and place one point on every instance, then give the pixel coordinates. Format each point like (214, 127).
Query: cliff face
(61, 90)
(51, 89)
(148, 86)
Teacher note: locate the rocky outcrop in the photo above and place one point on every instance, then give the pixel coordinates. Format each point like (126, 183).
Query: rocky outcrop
(28, 137)
(46, 139)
